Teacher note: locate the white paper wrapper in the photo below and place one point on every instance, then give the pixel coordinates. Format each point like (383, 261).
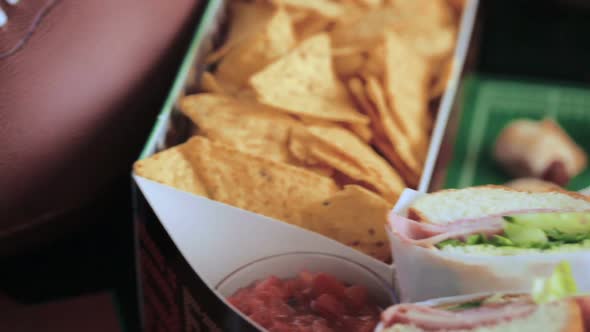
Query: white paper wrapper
(423, 274)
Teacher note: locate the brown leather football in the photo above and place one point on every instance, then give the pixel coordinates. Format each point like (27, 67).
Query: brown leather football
(81, 82)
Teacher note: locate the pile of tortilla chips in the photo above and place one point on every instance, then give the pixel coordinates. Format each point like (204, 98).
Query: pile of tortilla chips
(317, 112)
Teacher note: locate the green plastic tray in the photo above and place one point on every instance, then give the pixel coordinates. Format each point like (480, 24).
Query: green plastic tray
(491, 103)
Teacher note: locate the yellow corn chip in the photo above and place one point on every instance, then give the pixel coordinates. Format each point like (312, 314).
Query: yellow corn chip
(357, 90)
(432, 33)
(254, 183)
(407, 78)
(441, 79)
(170, 167)
(371, 3)
(322, 170)
(325, 8)
(348, 64)
(431, 12)
(303, 83)
(209, 84)
(355, 217)
(246, 20)
(310, 26)
(384, 146)
(254, 53)
(370, 167)
(384, 128)
(375, 64)
(426, 25)
(400, 143)
(432, 43)
(299, 147)
(363, 132)
(243, 125)
(298, 15)
(365, 31)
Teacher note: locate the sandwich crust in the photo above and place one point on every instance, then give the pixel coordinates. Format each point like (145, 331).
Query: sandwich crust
(416, 214)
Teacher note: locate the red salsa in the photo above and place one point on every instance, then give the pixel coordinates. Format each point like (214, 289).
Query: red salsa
(309, 302)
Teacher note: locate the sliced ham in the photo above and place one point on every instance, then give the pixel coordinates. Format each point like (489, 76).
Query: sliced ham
(431, 319)
(427, 235)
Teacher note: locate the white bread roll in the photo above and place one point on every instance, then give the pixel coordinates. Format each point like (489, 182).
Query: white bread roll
(449, 205)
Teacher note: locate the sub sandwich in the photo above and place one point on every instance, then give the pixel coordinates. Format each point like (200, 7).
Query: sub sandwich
(501, 235)
(553, 306)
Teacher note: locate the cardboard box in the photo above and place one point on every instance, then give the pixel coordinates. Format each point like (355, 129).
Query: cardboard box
(193, 252)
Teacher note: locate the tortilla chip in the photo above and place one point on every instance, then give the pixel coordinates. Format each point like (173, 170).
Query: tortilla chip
(442, 78)
(247, 19)
(357, 90)
(170, 167)
(299, 149)
(390, 153)
(309, 121)
(363, 132)
(371, 3)
(375, 63)
(348, 64)
(404, 158)
(432, 43)
(303, 83)
(426, 25)
(385, 127)
(370, 167)
(407, 78)
(298, 15)
(366, 30)
(342, 151)
(209, 84)
(322, 170)
(252, 54)
(310, 26)
(458, 6)
(254, 183)
(245, 126)
(355, 217)
(432, 12)
(325, 8)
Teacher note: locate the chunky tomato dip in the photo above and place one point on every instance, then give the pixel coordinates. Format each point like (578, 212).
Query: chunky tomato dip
(309, 302)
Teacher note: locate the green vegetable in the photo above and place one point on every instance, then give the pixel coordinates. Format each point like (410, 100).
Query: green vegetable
(500, 241)
(540, 231)
(559, 285)
(567, 223)
(557, 235)
(475, 239)
(466, 305)
(523, 236)
(450, 242)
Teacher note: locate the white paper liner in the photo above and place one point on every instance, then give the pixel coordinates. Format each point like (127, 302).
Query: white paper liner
(423, 274)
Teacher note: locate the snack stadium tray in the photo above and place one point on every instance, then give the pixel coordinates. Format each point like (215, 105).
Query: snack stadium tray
(491, 103)
(193, 252)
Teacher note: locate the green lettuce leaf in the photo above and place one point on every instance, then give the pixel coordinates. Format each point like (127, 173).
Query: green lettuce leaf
(561, 284)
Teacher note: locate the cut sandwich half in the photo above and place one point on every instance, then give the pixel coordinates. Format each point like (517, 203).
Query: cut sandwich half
(491, 314)
(554, 305)
(486, 239)
(495, 220)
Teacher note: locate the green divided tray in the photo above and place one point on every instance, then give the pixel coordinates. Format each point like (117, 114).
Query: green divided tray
(491, 103)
